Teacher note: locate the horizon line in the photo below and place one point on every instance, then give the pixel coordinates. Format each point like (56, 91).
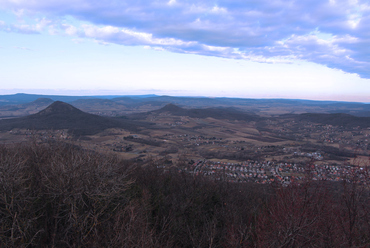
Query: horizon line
(187, 96)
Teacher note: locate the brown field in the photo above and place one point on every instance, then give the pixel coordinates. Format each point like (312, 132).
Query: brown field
(173, 135)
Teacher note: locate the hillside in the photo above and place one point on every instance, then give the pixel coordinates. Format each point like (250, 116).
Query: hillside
(60, 115)
(337, 119)
(217, 113)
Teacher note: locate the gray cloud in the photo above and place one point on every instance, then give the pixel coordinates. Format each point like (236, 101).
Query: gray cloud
(334, 33)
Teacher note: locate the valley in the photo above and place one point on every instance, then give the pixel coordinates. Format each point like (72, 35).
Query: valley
(187, 138)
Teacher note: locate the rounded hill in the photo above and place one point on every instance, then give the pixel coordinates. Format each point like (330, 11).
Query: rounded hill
(61, 115)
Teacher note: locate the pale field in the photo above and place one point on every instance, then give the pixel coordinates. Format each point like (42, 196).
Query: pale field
(360, 161)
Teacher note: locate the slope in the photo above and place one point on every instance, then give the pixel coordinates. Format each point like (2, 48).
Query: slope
(60, 115)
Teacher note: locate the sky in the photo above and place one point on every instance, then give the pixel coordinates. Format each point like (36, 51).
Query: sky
(297, 49)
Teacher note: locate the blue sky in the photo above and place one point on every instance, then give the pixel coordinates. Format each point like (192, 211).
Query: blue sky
(307, 49)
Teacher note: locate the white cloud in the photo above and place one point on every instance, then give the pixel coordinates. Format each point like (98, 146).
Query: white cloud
(70, 29)
(218, 10)
(171, 2)
(42, 24)
(25, 28)
(38, 26)
(100, 33)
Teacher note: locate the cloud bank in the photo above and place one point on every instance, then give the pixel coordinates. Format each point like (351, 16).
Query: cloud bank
(334, 33)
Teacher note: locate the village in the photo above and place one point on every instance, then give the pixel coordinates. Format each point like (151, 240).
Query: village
(268, 172)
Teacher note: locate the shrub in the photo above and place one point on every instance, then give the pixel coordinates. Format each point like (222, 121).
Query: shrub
(59, 195)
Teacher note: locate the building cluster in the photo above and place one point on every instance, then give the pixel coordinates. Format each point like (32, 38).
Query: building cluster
(267, 172)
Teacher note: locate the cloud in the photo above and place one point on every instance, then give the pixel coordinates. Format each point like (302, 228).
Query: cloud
(18, 28)
(334, 33)
(69, 29)
(37, 27)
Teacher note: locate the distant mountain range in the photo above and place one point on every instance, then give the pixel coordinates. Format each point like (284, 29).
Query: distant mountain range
(21, 98)
(61, 115)
(338, 119)
(22, 105)
(123, 105)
